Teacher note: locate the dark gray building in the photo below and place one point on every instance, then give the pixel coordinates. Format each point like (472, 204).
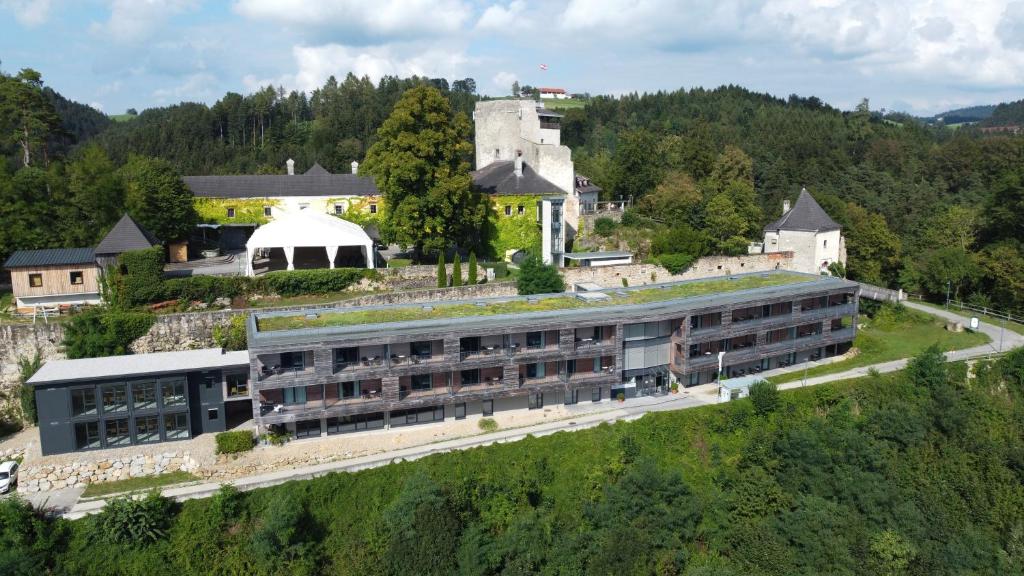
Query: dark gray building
(119, 401)
(330, 371)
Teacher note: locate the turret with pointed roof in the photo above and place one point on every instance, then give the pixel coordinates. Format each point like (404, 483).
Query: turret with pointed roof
(806, 230)
(806, 215)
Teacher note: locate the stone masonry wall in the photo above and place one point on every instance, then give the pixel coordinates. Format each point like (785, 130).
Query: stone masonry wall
(92, 468)
(709, 266)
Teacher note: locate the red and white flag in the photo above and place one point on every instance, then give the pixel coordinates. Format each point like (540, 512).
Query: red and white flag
(543, 66)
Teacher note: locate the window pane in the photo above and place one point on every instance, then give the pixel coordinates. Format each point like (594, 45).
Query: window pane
(147, 429)
(83, 401)
(87, 435)
(488, 407)
(144, 395)
(173, 393)
(238, 384)
(115, 397)
(117, 432)
(175, 426)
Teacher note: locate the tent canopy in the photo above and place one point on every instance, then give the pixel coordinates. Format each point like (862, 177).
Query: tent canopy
(306, 229)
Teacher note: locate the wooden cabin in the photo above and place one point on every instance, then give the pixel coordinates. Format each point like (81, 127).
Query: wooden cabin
(54, 278)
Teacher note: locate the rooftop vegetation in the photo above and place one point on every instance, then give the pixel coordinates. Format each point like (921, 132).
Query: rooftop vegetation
(522, 306)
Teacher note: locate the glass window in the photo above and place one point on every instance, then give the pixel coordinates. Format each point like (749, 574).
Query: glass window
(295, 395)
(83, 401)
(520, 210)
(595, 395)
(87, 435)
(508, 209)
(147, 429)
(115, 397)
(536, 401)
(470, 377)
(173, 393)
(373, 208)
(238, 384)
(534, 339)
(460, 411)
(231, 212)
(144, 395)
(212, 414)
(488, 407)
(77, 278)
(175, 426)
(421, 350)
(117, 432)
(421, 382)
(339, 209)
(267, 211)
(346, 389)
(35, 280)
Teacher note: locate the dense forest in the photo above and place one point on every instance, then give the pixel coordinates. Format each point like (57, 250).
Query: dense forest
(914, 473)
(926, 208)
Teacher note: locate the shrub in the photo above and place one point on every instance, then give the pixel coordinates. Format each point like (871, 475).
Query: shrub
(104, 332)
(442, 273)
(675, 263)
(127, 520)
(487, 424)
(457, 271)
(681, 239)
(471, 273)
(233, 336)
(625, 282)
(621, 396)
(234, 442)
(276, 436)
(500, 268)
(139, 279)
(26, 395)
(209, 288)
(765, 397)
(535, 277)
(297, 282)
(604, 226)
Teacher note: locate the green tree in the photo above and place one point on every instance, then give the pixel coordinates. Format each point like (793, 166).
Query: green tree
(634, 172)
(102, 332)
(891, 553)
(457, 270)
(472, 272)
(722, 219)
(765, 397)
(158, 199)
(420, 530)
(95, 197)
(420, 162)
(442, 272)
(27, 210)
(27, 367)
(536, 277)
(27, 118)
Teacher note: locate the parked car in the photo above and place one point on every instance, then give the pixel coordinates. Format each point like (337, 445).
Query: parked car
(8, 476)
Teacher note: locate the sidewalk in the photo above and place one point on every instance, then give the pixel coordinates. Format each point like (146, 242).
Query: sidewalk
(631, 410)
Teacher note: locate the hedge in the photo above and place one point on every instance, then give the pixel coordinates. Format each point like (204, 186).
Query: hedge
(284, 283)
(234, 442)
(297, 282)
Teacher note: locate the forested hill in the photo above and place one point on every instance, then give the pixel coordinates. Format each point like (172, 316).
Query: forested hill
(78, 122)
(257, 133)
(1008, 114)
(960, 115)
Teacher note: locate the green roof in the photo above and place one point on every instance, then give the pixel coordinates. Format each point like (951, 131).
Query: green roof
(522, 305)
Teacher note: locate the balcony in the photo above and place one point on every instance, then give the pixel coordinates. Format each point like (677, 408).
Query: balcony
(285, 366)
(487, 385)
(413, 359)
(422, 393)
(483, 352)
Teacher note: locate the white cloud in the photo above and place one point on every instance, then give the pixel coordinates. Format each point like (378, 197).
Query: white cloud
(29, 13)
(195, 88)
(96, 106)
(498, 18)
(133, 21)
(502, 83)
(381, 18)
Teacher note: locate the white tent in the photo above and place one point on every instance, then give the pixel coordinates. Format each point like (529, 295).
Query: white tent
(305, 229)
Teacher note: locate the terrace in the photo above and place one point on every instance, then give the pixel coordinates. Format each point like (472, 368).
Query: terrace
(525, 305)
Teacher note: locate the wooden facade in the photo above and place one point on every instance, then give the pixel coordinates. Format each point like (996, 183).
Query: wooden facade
(59, 284)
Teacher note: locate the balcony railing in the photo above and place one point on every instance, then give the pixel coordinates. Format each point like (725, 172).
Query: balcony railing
(271, 373)
(483, 352)
(486, 384)
(410, 394)
(587, 343)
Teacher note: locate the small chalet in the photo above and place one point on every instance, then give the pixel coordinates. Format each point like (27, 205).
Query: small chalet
(54, 278)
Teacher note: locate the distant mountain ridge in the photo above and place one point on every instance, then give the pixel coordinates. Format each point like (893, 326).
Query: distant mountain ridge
(961, 115)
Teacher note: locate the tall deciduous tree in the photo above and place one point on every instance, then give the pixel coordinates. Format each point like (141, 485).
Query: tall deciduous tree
(421, 165)
(158, 199)
(95, 197)
(636, 173)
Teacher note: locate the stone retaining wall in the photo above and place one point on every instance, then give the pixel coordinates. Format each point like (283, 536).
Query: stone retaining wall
(90, 470)
(709, 266)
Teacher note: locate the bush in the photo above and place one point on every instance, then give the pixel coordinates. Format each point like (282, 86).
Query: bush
(487, 424)
(298, 282)
(604, 226)
(26, 395)
(208, 288)
(457, 271)
(233, 336)
(127, 520)
(104, 332)
(621, 396)
(471, 272)
(681, 239)
(276, 436)
(535, 277)
(139, 278)
(234, 442)
(675, 263)
(442, 273)
(765, 397)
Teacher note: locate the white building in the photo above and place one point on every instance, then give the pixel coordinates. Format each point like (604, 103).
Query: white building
(553, 93)
(519, 152)
(815, 239)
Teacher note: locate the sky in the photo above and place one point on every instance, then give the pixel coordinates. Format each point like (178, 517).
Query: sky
(917, 56)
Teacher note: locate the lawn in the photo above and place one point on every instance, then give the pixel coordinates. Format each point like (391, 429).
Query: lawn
(307, 299)
(552, 104)
(137, 484)
(522, 306)
(891, 335)
(6, 305)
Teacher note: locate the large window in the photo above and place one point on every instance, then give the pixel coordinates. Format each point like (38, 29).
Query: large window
(238, 384)
(83, 401)
(147, 429)
(173, 393)
(421, 350)
(115, 397)
(346, 389)
(307, 428)
(175, 426)
(536, 401)
(87, 435)
(470, 377)
(144, 395)
(117, 432)
(487, 409)
(343, 424)
(534, 339)
(421, 382)
(295, 395)
(595, 394)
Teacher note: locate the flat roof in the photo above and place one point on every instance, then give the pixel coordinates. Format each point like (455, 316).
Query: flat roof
(299, 326)
(596, 255)
(59, 371)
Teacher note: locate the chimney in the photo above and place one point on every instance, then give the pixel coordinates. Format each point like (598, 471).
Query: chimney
(785, 206)
(355, 167)
(519, 164)
(291, 167)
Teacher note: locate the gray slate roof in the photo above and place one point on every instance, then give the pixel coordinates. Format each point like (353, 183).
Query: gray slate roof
(806, 215)
(51, 257)
(500, 178)
(57, 371)
(584, 185)
(126, 235)
(317, 181)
